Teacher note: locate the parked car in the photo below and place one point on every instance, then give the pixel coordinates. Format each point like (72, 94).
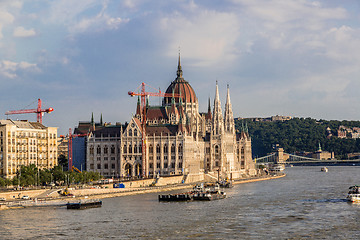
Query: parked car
(25, 197)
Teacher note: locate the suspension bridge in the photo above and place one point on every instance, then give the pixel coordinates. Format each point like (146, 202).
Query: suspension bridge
(286, 158)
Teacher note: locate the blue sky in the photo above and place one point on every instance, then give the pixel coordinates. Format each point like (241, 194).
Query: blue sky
(287, 57)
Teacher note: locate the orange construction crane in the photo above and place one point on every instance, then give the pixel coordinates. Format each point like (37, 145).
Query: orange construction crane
(39, 112)
(70, 151)
(143, 94)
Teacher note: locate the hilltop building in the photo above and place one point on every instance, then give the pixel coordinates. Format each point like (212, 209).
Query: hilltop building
(179, 140)
(25, 143)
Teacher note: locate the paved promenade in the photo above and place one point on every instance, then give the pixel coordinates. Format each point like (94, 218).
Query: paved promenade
(52, 198)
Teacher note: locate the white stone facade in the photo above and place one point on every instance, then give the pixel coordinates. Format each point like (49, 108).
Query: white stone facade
(179, 140)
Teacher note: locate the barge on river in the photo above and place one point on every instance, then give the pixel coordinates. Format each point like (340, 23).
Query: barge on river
(84, 204)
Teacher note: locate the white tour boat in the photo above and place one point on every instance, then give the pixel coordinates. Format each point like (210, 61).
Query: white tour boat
(354, 194)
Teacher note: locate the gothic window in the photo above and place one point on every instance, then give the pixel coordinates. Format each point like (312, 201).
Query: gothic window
(112, 149)
(180, 164)
(151, 149)
(242, 153)
(151, 165)
(105, 150)
(158, 148)
(125, 148)
(92, 150)
(165, 165)
(130, 148)
(158, 165)
(165, 148)
(98, 150)
(180, 148)
(135, 148)
(130, 133)
(173, 148)
(135, 132)
(172, 165)
(216, 149)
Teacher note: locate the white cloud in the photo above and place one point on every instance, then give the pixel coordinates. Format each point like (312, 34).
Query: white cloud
(73, 14)
(209, 37)
(9, 69)
(22, 32)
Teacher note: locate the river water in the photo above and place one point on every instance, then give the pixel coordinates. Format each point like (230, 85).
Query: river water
(306, 204)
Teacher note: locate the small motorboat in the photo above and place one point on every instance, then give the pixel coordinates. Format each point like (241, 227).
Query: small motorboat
(353, 194)
(324, 169)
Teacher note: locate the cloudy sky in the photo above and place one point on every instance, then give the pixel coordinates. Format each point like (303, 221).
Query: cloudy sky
(287, 57)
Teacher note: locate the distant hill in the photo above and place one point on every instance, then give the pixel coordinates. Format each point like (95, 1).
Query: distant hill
(300, 134)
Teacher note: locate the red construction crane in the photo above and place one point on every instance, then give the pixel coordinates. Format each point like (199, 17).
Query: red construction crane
(70, 151)
(39, 112)
(143, 94)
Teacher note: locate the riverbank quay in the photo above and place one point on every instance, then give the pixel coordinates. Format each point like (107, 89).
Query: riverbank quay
(53, 199)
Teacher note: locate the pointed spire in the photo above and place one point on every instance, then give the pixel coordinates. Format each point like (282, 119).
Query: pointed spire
(179, 72)
(101, 120)
(218, 121)
(92, 118)
(229, 116)
(319, 150)
(138, 110)
(208, 115)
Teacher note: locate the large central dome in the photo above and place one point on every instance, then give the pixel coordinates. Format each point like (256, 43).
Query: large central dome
(180, 87)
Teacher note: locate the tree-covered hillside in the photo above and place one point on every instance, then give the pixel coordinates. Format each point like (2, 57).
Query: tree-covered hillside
(299, 134)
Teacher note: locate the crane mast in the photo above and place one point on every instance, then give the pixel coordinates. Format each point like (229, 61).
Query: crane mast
(143, 94)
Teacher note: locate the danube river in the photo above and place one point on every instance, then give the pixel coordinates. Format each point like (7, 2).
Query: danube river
(307, 203)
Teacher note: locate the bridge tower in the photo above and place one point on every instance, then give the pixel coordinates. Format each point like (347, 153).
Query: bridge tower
(280, 155)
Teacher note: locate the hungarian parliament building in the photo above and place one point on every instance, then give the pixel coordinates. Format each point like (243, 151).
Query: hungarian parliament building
(178, 140)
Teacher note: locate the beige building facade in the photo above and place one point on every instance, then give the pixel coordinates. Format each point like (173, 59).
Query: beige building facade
(23, 143)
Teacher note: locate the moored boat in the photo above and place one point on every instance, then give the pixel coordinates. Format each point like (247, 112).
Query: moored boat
(353, 194)
(84, 204)
(208, 193)
(277, 168)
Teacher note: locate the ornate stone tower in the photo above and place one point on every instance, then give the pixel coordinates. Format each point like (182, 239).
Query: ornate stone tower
(218, 121)
(228, 116)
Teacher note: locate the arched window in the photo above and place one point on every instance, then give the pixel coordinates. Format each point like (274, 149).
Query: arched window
(105, 150)
(165, 148)
(151, 149)
(158, 148)
(135, 148)
(130, 133)
(216, 149)
(173, 148)
(112, 149)
(92, 150)
(130, 148)
(180, 148)
(242, 153)
(98, 150)
(135, 132)
(125, 148)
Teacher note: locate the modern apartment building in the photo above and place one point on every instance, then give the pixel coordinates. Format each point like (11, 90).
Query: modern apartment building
(25, 143)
